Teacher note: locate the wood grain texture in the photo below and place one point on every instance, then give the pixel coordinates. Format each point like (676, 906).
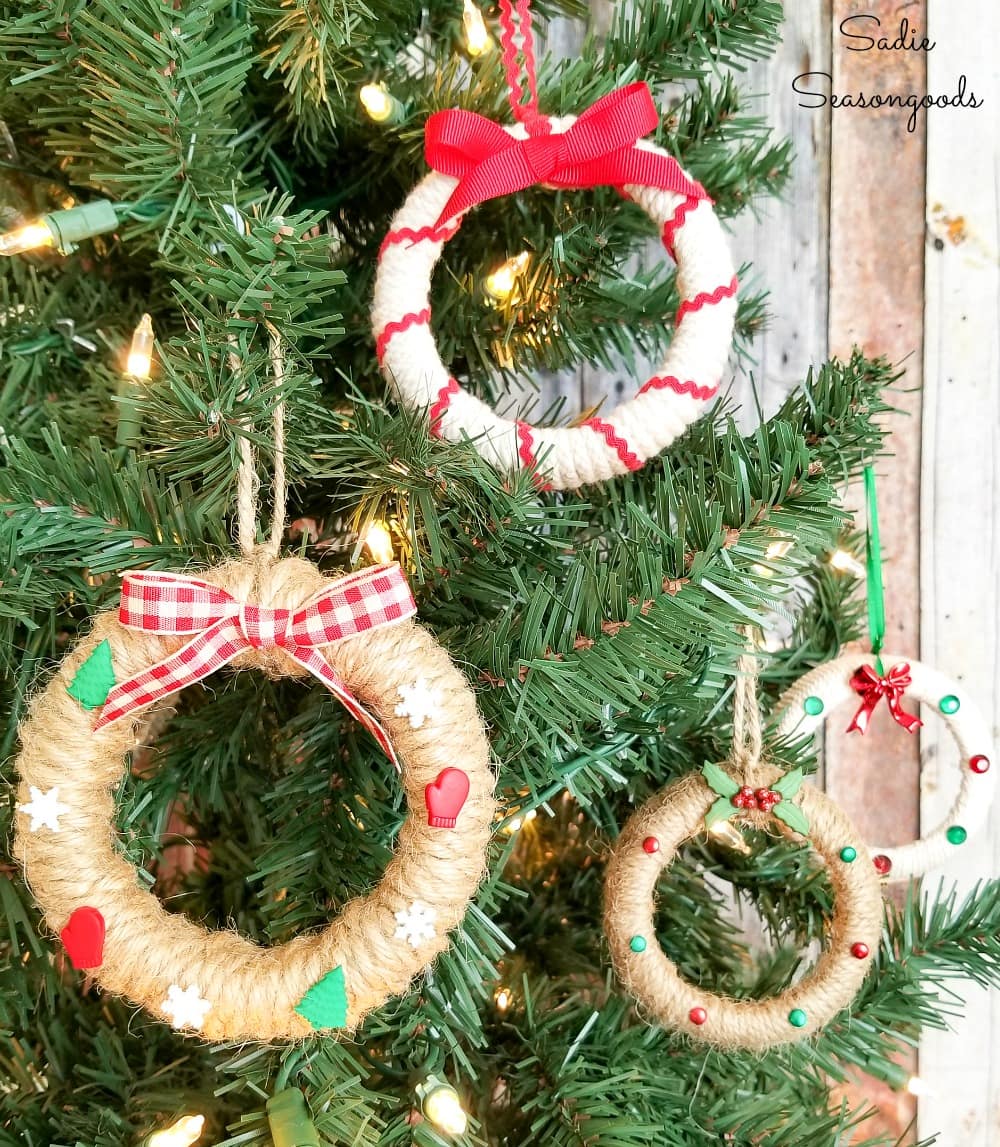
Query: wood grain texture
(960, 565)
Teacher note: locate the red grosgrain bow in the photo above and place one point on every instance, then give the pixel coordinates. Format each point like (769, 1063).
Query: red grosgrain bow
(170, 603)
(598, 149)
(872, 688)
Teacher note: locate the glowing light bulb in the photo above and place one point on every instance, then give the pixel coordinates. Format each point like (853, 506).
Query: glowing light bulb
(727, 833)
(379, 542)
(518, 822)
(778, 549)
(440, 1103)
(501, 282)
(183, 1133)
(140, 354)
(477, 37)
(378, 102)
(846, 562)
(503, 999)
(27, 238)
(917, 1086)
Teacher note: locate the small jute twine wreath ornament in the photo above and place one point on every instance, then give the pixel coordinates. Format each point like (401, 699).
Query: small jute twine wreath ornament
(474, 159)
(753, 793)
(867, 679)
(284, 618)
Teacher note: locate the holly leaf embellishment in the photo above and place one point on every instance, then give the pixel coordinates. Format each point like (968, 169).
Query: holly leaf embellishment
(793, 816)
(719, 781)
(789, 784)
(722, 809)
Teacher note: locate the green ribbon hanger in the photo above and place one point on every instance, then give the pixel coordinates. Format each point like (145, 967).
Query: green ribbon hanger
(873, 569)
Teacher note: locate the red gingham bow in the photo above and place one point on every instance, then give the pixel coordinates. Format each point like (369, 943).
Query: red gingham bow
(171, 603)
(872, 688)
(598, 149)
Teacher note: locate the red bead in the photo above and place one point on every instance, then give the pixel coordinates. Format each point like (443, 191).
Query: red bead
(738, 801)
(651, 845)
(883, 865)
(746, 791)
(979, 763)
(859, 951)
(697, 1016)
(761, 794)
(776, 798)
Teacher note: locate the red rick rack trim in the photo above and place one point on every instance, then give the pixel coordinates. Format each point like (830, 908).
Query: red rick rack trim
(527, 455)
(418, 235)
(670, 382)
(394, 328)
(615, 441)
(676, 222)
(704, 299)
(444, 398)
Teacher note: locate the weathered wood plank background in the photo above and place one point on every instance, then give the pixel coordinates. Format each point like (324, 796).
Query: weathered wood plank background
(888, 239)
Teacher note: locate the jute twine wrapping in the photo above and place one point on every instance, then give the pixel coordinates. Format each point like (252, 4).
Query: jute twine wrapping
(568, 457)
(676, 815)
(831, 684)
(253, 991)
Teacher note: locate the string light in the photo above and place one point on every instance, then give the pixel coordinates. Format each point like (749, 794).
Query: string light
(477, 36)
(378, 540)
(500, 283)
(31, 237)
(140, 355)
(380, 104)
(727, 833)
(515, 824)
(62, 229)
(183, 1133)
(846, 562)
(440, 1103)
(503, 999)
(917, 1086)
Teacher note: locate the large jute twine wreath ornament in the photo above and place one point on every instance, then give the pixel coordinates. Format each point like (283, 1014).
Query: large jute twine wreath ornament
(218, 984)
(649, 843)
(813, 699)
(475, 159)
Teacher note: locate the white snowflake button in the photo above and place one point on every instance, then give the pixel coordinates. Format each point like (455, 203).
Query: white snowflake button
(416, 923)
(185, 1007)
(419, 702)
(44, 809)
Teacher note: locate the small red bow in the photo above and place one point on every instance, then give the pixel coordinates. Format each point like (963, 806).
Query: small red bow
(598, 149)
(872, 688)
(170, 603)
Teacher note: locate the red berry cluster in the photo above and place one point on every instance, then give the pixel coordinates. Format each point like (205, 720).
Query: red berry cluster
(763, 799)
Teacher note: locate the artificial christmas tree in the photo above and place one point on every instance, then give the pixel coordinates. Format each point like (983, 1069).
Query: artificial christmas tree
(253, 155)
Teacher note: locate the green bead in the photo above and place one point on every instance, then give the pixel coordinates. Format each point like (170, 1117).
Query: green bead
(638, 943)
(848, 854)
(956, 834)
(797, 1018)
(949, 704)
(813, 706)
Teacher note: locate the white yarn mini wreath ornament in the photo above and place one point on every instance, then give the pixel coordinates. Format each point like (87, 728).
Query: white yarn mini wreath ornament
(476, 159)
(824, 691)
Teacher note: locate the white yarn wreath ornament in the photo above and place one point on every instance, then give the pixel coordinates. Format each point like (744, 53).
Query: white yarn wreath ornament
(600, 448)
(808, 704)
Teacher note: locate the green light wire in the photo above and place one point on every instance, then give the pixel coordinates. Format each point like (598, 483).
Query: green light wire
(873, 564)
